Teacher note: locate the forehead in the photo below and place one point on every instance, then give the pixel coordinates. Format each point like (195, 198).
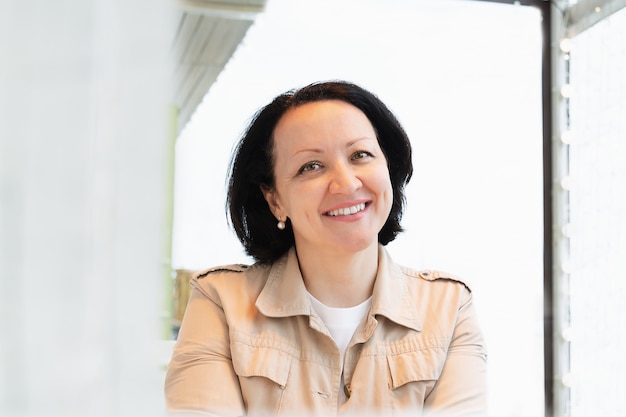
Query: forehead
(329, 119)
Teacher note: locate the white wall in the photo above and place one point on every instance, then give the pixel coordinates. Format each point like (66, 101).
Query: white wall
(83, 205)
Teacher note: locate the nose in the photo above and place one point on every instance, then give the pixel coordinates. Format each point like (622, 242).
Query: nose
(344, 180)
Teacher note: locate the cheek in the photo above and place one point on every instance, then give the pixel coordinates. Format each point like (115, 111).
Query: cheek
(389, 196)
(293, 202)
(387, 192)
(384, 184)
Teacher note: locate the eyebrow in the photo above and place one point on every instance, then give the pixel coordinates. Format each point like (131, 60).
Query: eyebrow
(348, 145)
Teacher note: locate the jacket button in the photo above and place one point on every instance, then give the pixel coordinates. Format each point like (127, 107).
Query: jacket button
(346, 390)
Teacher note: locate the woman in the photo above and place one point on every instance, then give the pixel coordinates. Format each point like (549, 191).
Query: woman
(325, 323)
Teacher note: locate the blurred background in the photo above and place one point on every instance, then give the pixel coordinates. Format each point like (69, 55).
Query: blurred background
(116, 125)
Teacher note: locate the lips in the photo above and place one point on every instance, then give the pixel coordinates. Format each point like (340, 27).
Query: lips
(345, 211)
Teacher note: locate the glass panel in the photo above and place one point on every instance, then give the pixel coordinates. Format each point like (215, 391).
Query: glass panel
(598, 219)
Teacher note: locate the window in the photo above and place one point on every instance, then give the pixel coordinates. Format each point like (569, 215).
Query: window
(465, 80)
(596, 231)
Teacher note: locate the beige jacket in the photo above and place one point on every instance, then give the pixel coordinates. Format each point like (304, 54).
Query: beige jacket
(251, 344)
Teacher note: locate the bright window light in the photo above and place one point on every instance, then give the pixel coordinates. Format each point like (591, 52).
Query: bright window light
(464, 78)
(597, 215)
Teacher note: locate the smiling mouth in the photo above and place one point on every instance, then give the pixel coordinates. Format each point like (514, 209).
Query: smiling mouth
(346, 210)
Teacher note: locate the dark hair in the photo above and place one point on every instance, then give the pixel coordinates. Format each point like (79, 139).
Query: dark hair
(252, 166)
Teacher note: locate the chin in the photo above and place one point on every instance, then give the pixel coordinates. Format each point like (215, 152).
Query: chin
(351, 245)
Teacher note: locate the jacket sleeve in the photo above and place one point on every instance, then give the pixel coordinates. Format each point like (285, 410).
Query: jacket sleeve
(462, 387)
(200, 378)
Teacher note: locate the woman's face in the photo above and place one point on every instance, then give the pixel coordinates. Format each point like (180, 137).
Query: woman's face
(331, 177)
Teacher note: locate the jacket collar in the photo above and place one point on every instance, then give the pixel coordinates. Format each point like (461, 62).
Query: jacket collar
(391, 293)
(285, 295)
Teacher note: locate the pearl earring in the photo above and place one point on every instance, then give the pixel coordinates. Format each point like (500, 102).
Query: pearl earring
(281, 224)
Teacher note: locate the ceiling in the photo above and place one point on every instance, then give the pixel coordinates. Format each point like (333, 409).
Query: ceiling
(209, 31)
(582, 14)
(207, 35)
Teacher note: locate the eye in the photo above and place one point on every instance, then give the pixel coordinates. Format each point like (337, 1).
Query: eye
(309, 167)
(361, 155)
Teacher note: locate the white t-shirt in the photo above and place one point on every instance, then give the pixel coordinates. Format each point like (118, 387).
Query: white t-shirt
(342, 323)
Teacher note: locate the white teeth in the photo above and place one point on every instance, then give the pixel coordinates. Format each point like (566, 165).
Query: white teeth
(347, 210)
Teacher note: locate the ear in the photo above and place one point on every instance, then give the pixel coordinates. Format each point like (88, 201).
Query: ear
(271, 197)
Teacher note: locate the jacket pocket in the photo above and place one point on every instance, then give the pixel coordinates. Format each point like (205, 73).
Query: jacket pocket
(412, 376)
(263, 373)
(419, 365)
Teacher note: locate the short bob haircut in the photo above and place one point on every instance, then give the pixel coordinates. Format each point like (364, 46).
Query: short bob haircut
(252, 166)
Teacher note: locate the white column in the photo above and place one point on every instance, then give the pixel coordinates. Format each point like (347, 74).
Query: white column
(84, 153)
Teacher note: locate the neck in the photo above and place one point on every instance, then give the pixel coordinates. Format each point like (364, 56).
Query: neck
(340, 280)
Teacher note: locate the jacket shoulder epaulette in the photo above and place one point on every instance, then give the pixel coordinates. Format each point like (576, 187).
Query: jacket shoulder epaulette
(237, 268)
(434, 275)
